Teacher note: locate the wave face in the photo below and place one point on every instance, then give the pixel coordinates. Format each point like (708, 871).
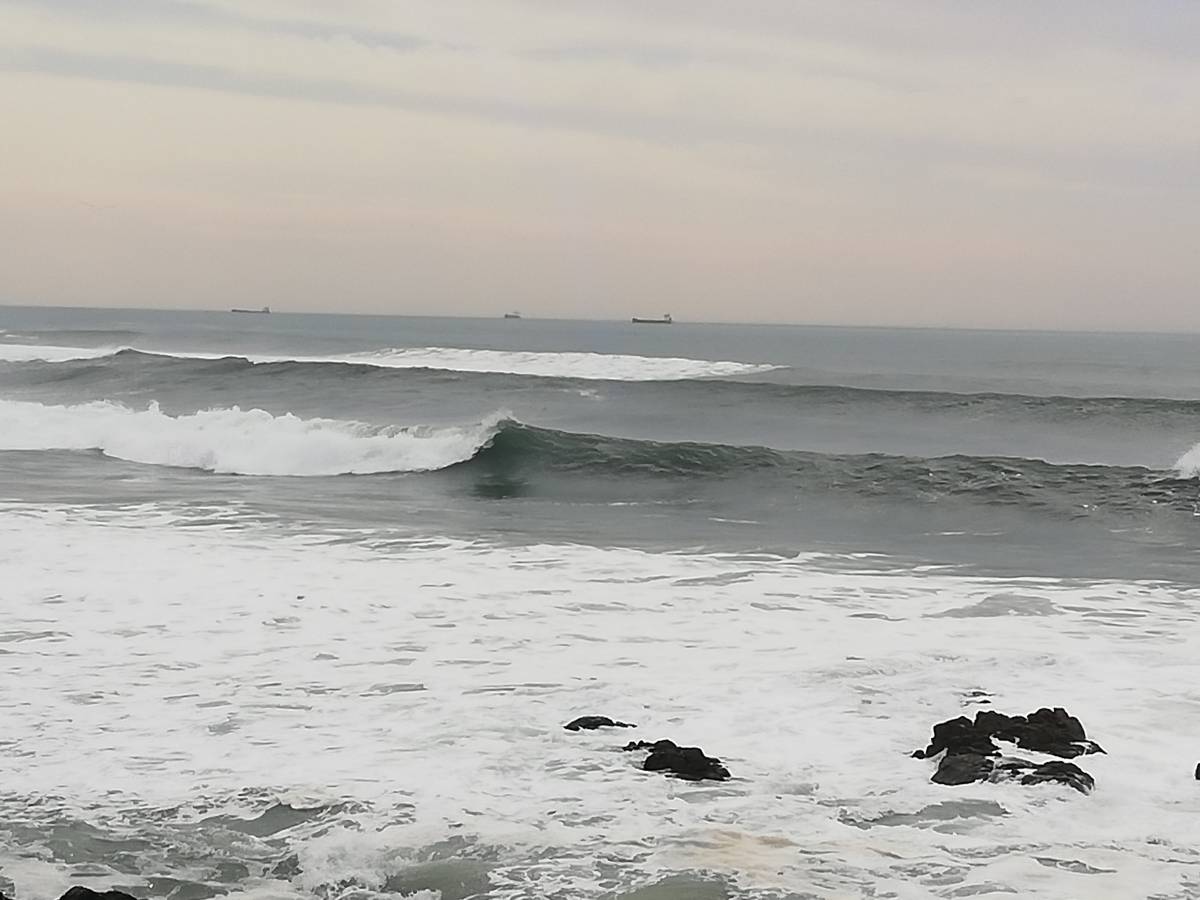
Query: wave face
(238, 442)
(587, 366)
(1032, 484)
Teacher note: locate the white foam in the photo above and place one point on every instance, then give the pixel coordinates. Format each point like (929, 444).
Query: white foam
(184, 663)
(237, 441)
(592, 366)
(51, 353)
(588, 366)
(1188, 465)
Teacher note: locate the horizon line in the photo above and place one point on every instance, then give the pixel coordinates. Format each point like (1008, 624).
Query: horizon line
(614, 321)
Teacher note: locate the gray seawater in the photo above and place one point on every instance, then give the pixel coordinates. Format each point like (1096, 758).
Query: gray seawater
(295, 604)
(1003, 451)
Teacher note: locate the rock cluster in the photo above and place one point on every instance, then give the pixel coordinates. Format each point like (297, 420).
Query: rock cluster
(971, 753)
(684, 762)
(665, 756)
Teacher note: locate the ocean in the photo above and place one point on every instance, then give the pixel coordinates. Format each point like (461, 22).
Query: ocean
(296, 606)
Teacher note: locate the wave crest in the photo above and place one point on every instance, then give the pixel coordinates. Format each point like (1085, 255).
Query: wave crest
(234, 441)
(589, 366)
(1188, 465)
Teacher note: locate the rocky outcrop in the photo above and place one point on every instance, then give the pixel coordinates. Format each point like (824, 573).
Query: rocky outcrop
(589, 723)
(971, 753)
(1051, 731)
(683, 762)
(967, 768)
(82, 893)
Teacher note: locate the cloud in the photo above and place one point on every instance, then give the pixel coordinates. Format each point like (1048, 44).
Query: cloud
(188, 14)
(863, 149)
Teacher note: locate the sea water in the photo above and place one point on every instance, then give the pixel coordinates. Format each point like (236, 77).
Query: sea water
(296, 606)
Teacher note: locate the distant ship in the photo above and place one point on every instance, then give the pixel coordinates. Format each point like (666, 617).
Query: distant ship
(512, 315)
(264, 311)
(665, 320)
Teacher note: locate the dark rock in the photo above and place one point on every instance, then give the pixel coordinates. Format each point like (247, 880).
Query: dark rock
(1051, 731)
(684, 762)
(589, 723)
(963, 768)
(972, 755)
(1060, 773)
(967, 768)
(82, 893)
(959, 735)
(1198, 771)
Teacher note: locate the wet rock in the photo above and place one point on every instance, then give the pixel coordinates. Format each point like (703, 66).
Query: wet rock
(972, 755)
(82, 893)
(967, 768)
(589, 723)
(957, 736)
(1051, 731)
(1056, 772)
(684, 762)
(963, 768)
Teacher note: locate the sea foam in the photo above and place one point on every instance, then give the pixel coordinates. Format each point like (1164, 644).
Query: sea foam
(216, 668)
(239, 442)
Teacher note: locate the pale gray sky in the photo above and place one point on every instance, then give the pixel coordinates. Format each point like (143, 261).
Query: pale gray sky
(1016, 164)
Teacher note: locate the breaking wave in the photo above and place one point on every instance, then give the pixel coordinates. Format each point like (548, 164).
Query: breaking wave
(1188, 465)
(256, 442)
(234, 441)
(589, 366)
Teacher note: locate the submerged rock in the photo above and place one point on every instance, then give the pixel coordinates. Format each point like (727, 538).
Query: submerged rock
(684, 762)
(971, 753)
(81, 893)
(588, 723)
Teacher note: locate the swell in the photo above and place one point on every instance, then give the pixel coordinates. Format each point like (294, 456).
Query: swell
(501, 451)
(131, 368)
(518, 450)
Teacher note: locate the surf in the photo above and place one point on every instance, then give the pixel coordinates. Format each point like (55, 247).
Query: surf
(234, 441)
(541, 364)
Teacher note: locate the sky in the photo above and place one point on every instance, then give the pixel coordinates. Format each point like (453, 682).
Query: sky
(1022, 164)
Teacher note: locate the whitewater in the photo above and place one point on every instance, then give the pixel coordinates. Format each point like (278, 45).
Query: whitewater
(590, 366)
(297, 607)
(255, 442)
(425, 685)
